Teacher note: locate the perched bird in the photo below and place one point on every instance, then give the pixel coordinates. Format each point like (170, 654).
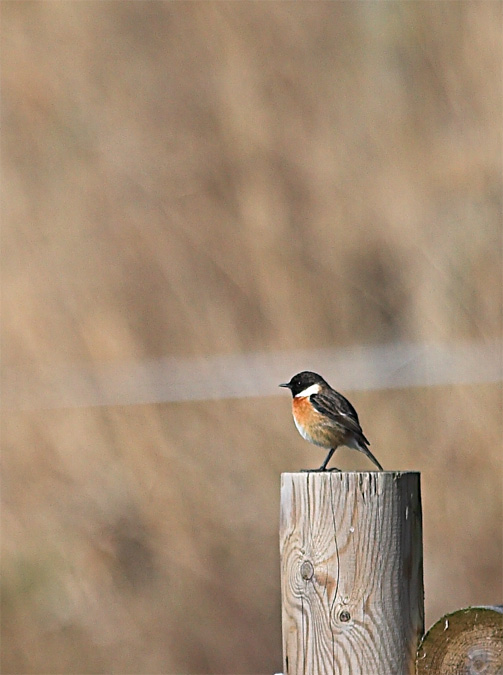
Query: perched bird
(324, 417)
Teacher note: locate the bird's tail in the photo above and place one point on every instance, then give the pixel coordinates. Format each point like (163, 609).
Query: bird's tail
(367, 452)
(361, 445)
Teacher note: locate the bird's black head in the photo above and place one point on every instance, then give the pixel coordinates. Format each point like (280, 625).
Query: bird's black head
(303, 381)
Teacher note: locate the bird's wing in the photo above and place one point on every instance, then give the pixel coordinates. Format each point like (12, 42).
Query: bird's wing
(337, 408)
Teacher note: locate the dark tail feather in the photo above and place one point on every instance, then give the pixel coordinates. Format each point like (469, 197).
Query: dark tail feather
(367, 452)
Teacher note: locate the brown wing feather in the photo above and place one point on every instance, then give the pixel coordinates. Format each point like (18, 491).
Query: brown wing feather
(336, 407)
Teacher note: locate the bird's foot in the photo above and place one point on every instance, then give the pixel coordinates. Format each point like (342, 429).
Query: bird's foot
(321, 468)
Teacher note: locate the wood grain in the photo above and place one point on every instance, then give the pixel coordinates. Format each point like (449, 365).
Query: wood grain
(351, 572)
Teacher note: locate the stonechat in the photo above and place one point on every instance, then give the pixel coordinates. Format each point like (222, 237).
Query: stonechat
(325, 417)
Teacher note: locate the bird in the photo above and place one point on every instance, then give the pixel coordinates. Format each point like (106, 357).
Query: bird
(326, 418)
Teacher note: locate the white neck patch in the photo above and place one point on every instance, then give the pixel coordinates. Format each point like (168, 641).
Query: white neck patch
(313, 389)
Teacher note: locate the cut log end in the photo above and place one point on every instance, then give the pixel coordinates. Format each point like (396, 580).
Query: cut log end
(468, 641)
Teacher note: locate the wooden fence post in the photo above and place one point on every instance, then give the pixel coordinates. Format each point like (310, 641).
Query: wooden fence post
(351, 572)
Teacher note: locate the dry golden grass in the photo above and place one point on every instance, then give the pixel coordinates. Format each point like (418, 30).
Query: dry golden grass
(193, 179)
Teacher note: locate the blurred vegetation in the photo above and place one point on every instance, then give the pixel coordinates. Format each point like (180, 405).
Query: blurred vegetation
(192, 179)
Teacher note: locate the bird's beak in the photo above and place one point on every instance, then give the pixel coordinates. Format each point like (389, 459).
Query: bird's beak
(285, 384)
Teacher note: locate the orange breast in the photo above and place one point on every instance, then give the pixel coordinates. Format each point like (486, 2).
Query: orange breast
(313, 426)
(303, 411)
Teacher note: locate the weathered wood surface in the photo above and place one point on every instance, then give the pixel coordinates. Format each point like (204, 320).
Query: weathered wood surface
(469, 641)
(351, 572)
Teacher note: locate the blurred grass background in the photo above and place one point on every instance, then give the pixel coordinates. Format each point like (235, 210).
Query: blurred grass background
(203, 178)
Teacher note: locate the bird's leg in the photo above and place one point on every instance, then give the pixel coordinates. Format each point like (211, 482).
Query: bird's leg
(323, 467)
